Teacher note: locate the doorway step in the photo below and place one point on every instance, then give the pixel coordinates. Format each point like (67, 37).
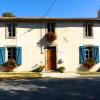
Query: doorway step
(60, 75)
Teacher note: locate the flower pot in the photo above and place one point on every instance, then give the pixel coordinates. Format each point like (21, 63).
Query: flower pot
(9, 68)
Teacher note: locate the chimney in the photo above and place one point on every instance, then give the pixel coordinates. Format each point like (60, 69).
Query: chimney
(99, 13)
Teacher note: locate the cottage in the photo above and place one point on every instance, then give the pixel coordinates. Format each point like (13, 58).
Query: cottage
(51, 42)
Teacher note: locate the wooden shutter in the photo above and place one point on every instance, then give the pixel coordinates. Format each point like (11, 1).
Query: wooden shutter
(96, 53)
(6, 30)
(82, 54)
(18, 55)
(2, 55)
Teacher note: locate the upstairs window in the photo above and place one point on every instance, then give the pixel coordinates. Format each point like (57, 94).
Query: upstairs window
(51, 27)
(11, 30)
(88, 30)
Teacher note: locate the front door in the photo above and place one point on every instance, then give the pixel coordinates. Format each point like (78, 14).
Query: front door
(51, 58)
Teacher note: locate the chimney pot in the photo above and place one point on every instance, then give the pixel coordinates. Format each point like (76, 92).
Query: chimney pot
(99, 13)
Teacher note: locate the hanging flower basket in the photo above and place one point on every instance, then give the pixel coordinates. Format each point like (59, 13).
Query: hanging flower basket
(51, 36)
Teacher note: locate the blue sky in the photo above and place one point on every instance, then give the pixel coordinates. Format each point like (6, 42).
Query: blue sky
(61, 8)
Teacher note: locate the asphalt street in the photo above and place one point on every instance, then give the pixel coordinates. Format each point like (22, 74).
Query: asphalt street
(50, 89)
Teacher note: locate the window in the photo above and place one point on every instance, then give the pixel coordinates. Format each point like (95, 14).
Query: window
(51, 27)
(11, 30)
(88, 30)
(11, 53)
(88, 52)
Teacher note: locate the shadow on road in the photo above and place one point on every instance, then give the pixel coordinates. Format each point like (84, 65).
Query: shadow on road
(50, 89)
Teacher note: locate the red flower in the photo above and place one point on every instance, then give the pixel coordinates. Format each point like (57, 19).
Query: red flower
(51, 36)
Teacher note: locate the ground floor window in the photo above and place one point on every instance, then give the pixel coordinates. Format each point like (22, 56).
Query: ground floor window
(89, 52)
(14, 53)
(11, 53)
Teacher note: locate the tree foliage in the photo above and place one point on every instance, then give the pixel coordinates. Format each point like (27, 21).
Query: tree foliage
(8, 14)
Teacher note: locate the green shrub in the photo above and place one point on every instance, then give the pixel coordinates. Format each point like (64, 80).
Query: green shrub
(8, 14)
(39, 69)
(61, 69)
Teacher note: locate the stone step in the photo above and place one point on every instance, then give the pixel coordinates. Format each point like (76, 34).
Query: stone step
(60, 75)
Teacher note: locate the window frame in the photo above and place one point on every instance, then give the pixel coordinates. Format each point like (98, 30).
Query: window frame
(89, 49)
(82, 53)
(51, 27)
(11, 52)
(12, 34)
(88, 30)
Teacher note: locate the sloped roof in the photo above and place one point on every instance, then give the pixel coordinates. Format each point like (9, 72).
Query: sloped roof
(31, 19)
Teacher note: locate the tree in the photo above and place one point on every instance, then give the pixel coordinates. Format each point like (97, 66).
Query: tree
(8, 14)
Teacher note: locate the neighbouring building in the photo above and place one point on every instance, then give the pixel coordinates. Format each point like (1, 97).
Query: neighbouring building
(52, 42)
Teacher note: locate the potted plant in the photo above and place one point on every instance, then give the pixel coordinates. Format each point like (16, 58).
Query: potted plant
(89, 63)
(10, 65)
(38, 69)
(61, 69)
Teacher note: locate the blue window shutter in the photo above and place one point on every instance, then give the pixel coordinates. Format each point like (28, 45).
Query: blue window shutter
(2, 55)
(82, 54)
(96, 53)
(18, 55)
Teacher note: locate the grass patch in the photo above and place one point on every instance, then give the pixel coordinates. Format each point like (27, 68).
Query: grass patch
(20, 75)
(88, 73)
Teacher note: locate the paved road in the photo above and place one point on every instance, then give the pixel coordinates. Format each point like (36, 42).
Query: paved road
(50, 89)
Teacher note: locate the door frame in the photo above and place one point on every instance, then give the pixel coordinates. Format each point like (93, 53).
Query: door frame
(46, 57)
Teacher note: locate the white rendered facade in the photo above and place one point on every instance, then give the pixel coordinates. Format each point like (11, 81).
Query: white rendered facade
(70, 36)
